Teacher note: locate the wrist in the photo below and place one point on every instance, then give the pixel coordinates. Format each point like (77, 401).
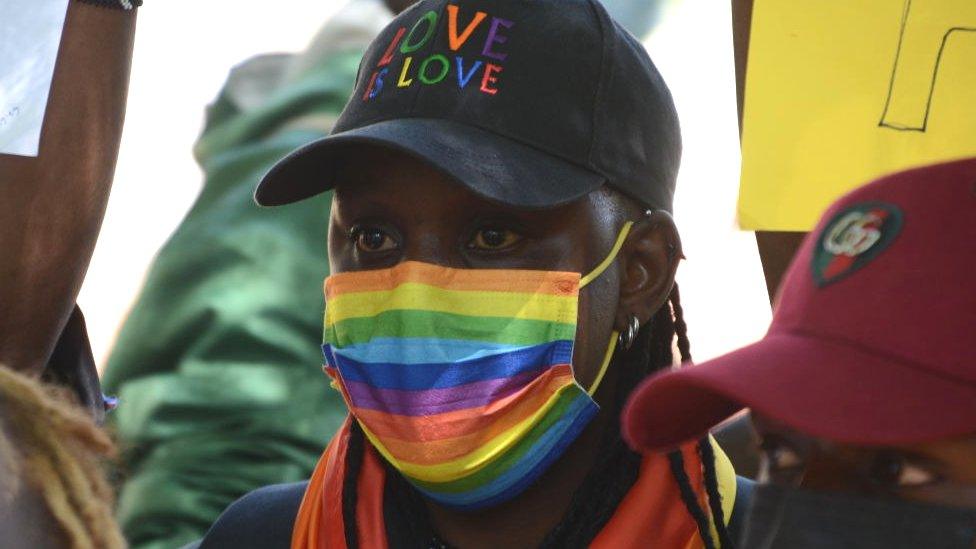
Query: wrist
(115, 4)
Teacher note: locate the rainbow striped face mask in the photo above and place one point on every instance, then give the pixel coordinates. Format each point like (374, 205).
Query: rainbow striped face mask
(462, 378)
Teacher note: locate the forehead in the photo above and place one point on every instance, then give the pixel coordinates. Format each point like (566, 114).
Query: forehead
(363, 167)
(372, 176)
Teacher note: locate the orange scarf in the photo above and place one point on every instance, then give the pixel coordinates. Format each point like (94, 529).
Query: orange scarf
(652, 512)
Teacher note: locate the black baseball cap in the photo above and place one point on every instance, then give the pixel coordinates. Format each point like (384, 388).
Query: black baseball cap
(533, 103)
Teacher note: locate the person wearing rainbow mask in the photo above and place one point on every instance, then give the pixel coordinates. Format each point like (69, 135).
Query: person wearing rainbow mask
(503, 260)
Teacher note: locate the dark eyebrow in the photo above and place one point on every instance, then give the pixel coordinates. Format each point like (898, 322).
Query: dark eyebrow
(356, 201)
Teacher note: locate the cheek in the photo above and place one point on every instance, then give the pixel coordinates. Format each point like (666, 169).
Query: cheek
(957, 471)
(340, 247)
(835, 474)
(597, 305)
(948, 493)
(340, 250)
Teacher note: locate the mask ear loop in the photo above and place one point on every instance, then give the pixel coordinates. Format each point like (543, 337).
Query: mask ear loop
(606, 363)
(610, 256)
(589, 278)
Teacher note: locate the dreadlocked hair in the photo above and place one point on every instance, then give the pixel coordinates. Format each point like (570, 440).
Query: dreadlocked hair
(707, 455)
(603, 488)
(705, 451)
(57, 449)
(349, 487)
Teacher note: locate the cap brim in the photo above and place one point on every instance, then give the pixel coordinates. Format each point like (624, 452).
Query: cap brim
(825, 389)
(492, 166)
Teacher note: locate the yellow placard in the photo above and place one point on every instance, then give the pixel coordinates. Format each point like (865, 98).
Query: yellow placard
(839, 92)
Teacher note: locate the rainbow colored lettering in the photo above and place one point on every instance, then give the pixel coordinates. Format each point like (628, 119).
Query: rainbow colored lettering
(435, 68)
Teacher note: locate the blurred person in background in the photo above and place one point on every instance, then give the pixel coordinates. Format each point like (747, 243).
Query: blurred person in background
(215, 364)
(53, 491)
(53, 204)
(864, 389)
(469, 210)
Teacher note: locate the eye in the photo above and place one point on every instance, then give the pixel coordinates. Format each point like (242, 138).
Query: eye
(493, 238)
(778, 459)
(894, 470)
(372, 239)
(783, 457)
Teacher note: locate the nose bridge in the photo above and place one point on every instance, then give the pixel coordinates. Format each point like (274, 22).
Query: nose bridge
(428, 245)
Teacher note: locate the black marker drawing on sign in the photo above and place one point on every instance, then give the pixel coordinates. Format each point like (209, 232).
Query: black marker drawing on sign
(917, 61)
(8, 117)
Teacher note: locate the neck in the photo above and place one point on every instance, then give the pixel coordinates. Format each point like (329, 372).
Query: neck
(526, 520)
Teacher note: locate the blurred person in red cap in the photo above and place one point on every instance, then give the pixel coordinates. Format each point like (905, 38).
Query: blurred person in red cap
(864, 388)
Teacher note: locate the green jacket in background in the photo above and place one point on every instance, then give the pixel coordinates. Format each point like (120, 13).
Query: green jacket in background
(218, 367)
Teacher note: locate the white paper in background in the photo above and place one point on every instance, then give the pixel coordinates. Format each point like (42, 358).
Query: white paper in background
(30, 32)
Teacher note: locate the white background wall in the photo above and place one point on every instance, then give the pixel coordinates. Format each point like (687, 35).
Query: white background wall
(184, 50)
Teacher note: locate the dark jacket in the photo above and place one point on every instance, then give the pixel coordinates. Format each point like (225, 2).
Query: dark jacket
(263, 519)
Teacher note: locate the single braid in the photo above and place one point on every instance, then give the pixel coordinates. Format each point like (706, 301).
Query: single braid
(661, 352)
(680, 328)
(707, 455)
(60, 451)
(705, 451)
(674, 315)
(350, 485)
(688, 496)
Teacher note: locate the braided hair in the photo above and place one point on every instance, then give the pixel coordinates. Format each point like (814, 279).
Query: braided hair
(705, 451)
(55, 448)
(603, 488)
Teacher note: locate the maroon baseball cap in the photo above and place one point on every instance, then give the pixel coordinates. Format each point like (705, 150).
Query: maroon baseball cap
(873, 339)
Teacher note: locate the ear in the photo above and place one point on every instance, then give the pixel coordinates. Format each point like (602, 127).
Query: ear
(648, 262)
